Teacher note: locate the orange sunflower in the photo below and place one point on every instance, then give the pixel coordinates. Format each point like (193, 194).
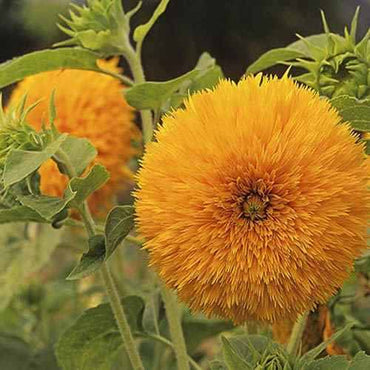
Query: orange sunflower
(253, 200)
(89, 105)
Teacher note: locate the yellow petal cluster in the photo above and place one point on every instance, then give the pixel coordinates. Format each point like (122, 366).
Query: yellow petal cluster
(253, 200)
(89, 105)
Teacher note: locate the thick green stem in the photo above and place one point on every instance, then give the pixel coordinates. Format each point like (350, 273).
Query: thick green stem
(134, 60)
(121, 319)
(296, 335)
(174, 322)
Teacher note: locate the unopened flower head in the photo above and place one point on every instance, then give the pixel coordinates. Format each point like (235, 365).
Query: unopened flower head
(336, 65)
(15, 133)
(253, 200)
(100, 25)
(89, 105)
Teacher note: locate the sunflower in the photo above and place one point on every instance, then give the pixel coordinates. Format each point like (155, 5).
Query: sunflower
(89, 105)
(253, 200)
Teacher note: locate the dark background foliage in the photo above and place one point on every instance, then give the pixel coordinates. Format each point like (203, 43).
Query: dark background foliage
(235, 32)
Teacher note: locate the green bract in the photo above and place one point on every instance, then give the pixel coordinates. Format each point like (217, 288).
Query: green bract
(101, 25)
(15, 133)
(335, 65)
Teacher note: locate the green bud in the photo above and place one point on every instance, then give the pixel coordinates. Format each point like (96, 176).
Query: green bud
(339, 66)
(16, 133)
(101, 25)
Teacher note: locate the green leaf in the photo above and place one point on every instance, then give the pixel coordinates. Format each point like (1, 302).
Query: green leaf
(118, 224)
(329, 362)
(253, 350)
(142, 30)
(196, 330)
(45, 206)
(79, 189)
(209, 73)
(20, 214)
(360, 362)
(272, 57)
(80, 153)
(15, 353)
(354, 111)
(320, 41)
(21, 163)
(22, 256)
(93, 340)
(232, 357)
(170, 94)
(90, 261)
(47, 60)
(153, 95)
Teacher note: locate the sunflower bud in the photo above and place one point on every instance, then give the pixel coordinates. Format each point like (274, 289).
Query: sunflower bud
(15, 133)
(101, 25)
(338, 66)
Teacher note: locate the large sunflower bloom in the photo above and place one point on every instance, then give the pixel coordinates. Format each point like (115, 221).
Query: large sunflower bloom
(89, 105)
(253, 200)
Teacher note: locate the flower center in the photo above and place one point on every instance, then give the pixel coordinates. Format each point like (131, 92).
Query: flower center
(255, 206)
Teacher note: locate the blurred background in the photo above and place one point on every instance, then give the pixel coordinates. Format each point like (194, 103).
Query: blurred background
(235, 32)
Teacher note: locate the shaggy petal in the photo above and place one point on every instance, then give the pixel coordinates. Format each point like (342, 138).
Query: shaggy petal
(89, 105)
(253, 200)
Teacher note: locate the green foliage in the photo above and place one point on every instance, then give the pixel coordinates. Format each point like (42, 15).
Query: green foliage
(360, 362)
(253, 352)
(79, 189)
(80, 153)
(21, 163)
(100, 25)
(142, 30)
(24, 250)
(334, 65)
(20, 214)
(118, 224)
(93, 340)
(47, 207)
(197, 329)
(47, 60)
(272, 57)
(90, 261)
(164, 95)
(16, 354)
(354, 111)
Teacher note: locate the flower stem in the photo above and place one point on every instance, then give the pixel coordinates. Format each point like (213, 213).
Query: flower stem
(174, 322)
(121, 319)
(134, 60)
(296, 335)
(114, 299)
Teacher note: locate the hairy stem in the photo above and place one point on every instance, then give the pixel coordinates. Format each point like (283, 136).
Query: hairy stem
(296, 335)
(134, 60)
(174, 322)
(114, 299)
(121, 319)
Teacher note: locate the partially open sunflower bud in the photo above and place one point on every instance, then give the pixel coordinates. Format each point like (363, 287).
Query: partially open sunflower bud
(101, 25)
(340, 66)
